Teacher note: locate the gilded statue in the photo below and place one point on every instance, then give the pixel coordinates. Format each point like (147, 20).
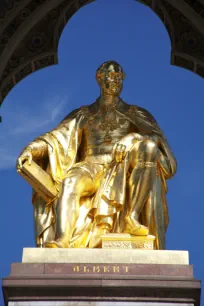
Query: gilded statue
(109, 162)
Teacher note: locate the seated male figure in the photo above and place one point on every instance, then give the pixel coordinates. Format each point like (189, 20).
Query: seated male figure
(110, 161)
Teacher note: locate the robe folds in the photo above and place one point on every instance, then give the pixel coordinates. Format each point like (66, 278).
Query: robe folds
(108, 203)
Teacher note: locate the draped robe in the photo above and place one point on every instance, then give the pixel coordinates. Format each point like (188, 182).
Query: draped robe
(64, 151)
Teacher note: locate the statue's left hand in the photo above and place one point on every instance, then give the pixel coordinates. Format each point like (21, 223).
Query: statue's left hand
(26, 155)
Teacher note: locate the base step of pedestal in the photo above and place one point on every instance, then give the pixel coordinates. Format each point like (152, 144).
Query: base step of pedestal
(74, 284)
(94, 304)
(46, 255)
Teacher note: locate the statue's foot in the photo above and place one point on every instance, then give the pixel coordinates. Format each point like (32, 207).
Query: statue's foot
(57, 244)
(133, 227)
(95, 240)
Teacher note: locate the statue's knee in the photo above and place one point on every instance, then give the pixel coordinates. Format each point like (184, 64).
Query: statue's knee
(146, 150)
(71, 180)
(150, 147)
(67, 181)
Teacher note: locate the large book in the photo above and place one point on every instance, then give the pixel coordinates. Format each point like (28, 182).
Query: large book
(41, 181)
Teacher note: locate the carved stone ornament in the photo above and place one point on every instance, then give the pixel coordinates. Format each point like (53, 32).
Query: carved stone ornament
(126, 241)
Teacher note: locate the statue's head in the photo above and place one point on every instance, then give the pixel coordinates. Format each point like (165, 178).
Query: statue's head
(110, 76)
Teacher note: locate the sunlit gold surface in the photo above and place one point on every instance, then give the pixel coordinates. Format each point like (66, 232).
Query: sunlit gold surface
(110, 162)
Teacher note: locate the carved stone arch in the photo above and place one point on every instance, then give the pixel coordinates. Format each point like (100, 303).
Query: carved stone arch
(30, 31)
(24, 47)
(184, 21)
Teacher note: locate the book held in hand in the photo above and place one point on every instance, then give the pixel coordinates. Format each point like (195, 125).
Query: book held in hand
(39, 180)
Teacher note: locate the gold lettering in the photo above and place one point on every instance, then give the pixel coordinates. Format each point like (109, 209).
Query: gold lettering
(96, 269)
(116, 269)
(126, 269)
(76, 269)
(106, 269)
(86, 269)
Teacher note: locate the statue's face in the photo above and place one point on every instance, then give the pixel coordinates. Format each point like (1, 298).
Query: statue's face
(111, 80)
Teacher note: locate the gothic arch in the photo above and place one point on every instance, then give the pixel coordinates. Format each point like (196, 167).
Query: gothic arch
(24, 48)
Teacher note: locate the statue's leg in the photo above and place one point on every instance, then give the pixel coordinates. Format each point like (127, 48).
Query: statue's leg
(143, 163)
(78, 183)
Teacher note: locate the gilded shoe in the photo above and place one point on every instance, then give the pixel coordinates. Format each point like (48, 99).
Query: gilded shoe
(133, 227)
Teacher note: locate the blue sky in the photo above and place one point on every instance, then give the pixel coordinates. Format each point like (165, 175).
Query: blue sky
(130, 33)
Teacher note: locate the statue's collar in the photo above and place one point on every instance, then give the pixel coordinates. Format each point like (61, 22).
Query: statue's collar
(94, 108)
(117, 105)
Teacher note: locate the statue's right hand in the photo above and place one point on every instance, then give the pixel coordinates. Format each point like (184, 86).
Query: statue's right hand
(26, 155)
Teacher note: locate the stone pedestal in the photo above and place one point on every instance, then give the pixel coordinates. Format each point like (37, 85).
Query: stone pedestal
(68, 277)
